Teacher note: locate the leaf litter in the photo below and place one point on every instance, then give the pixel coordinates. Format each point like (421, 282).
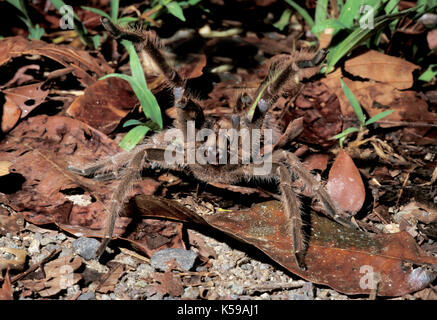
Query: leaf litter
(47, 193)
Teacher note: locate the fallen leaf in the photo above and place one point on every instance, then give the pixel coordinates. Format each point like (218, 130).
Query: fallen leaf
(20, 101)
(85, 67)
(6, 291)
(193, 66)
(431, 37)
(320, 108)
(10, 116)
(376, 97)
(104, 104)
(423, 212)
(342, 258)
(345, 185)
(169, 284)
(110, 279)
(380, 67)
(10, 223)
(41, 193)
(315, 161)
(59, 275)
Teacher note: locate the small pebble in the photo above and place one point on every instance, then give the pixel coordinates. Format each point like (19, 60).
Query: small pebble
(87, 296)
(86, 247)
(34, 247)
(61, 237)
(48, 239)
(185, 258)
(191, 293)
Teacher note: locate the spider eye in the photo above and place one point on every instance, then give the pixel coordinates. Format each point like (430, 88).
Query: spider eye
(263, 105)
(178, 93)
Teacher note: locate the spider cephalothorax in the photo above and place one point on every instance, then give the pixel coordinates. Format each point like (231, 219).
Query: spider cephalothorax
(244, 146)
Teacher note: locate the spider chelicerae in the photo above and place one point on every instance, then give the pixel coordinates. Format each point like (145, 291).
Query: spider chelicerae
(221, 154)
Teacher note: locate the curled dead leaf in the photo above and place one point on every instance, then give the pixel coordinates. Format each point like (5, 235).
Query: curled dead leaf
(345, 185)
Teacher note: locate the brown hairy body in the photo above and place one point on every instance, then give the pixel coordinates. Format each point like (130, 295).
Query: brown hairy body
(251, 114)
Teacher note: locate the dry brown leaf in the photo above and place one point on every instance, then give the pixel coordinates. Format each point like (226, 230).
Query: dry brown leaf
(40, 190)
(317, 161)
(380, 67)
(6, 291)
(345, 185)
(10, 223)
(169, 283)
(345, 259)
(104, 104)
(320, 108)
(431, 37)
(20, 101)
(377, 97)
(110, 279)
(85, 67)
(59, 276)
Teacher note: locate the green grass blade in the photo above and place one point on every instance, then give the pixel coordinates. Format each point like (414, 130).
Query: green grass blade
(133, 137)
(135, 64)
(302, 12)
(354, 102)
(358, 36)
(132, 122)
(321, 11)
(114, 10)
(345, 133)
(378, 117)
(349, 11)
(284, 20)
(175, 9)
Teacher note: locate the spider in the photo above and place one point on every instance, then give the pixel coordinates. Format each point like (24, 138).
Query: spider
(250, 115)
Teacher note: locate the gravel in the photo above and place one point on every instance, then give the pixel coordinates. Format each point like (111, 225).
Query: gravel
(86, 247)
(185, 258)
(87, 296)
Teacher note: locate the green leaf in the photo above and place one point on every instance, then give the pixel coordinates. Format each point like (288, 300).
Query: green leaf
(175, 9)
(429, 73)
(329, 23)
(321, 11)
(36, 32)
(358, 36)
(345, 133)
(97, 11)
(284, 20)
(378, 117)
(354, 102)
(349, 12)
(133, 137)
(132, 122)
(134, 62)
(114, 10)
(193, 2)
(391, 6)
(302, 12)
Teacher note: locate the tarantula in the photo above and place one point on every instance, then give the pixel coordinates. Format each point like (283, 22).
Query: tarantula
(250, 115)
